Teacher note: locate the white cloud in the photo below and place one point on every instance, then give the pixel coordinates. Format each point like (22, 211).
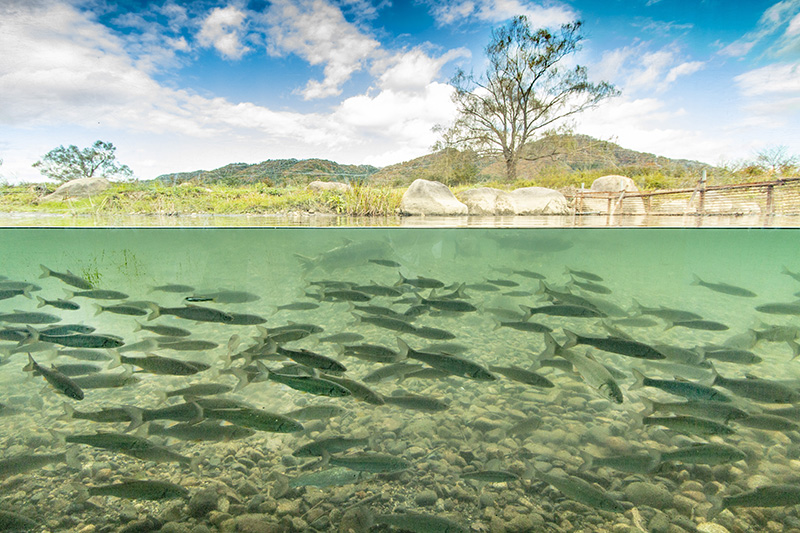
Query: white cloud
(414, 70)
(318, 32)
(684, 69)
(781, 78)
(548, 14)
(223, 29)
(636, 69)
(775, 17)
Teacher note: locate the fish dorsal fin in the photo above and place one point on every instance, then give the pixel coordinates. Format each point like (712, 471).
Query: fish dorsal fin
(751, 376)
(680, 379)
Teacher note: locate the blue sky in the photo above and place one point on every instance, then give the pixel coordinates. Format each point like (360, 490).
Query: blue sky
(179, 85)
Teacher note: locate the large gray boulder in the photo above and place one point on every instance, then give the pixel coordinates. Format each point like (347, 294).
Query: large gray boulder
(538, 201)
(319, 186)
(614, 185)
(425, 197)
(79, 188)
(481, 201)
(525, 201)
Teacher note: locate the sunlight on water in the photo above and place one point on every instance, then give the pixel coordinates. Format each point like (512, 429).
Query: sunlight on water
(528, 447)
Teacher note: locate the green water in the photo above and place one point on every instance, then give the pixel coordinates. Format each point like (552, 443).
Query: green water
(654, 267)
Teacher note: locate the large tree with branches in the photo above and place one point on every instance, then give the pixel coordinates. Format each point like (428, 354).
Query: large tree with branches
(66, 164)
(527, 90)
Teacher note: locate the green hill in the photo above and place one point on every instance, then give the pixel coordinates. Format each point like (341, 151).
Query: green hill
(275, 172)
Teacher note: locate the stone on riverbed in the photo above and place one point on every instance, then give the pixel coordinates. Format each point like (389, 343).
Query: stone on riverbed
(526, 201)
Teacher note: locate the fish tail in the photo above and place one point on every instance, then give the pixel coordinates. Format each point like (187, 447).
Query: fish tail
(670, 324)
(26, 292)
(717, 505)
(136, 414)
(696, 280)
(716, 377)
(116, 358)
(542, 288)
(71, 458)
(46, 272)
(588, 461)
(69, 412)
(649, 407)
(306, 263)
(551, 347)
(572, 339)
(155, 311)
(162, 397)
(639, 380)
(42, 302)
(795, 348)
(138, 326)
(98, 309)
(785, 270)
(497, 324)
(404, 349)
(68, 294)
(528, 312)
(637, 307)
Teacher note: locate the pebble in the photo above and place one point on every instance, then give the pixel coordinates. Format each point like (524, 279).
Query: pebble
(203, 502)
(426, 498)
(650, 494)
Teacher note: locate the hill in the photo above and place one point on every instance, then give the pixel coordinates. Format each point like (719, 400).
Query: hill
(275, 172)
(554, 161)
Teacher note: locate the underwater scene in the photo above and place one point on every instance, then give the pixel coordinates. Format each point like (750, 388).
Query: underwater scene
(395, 379)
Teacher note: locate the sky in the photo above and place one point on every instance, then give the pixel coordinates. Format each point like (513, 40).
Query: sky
(186, 85)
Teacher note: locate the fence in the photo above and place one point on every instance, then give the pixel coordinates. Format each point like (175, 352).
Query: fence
(778, 197)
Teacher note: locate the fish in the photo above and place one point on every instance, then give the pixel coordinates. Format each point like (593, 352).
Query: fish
(253, 418)
(24, 317)
(369, 352)
(792, 308)
(637, 463)
(345, 295)
(22, 463)
(417, 403)
(416, 522)
(708, 325)
(330, 477)
(96, 294)
(376, 463)
(432, 333)
(769, 422)
(687, 389)
(503, 282)
(165, 331)
(391, 371)
(705, 408)
(134, 446)
(386, 263)
(583, 274)
(772, 333)
(246, 319)
(156, 364)
(579, 490)
(491, 476)
(297, 306)
(64, 305)
(76, 369)
(316, 412)
(141, 489)
(228, 297)
(312, 359)
(208, 430)
(173, 287)
(386, 322)
(378, 290)
(793, 275)
(453, 364)
(104, 415)
(724, 288)
(199, 389)
(85, 354)
(593, 373)
(569, 310)
(527, 377)
(765, 496)
(349, 254)
(357, 390)
(11, 521)
(760, 390)
(321, 447)
(635, 322)
(705, 453)
(665, 313)
(420, 282)
(56, 379)
(191, 312)
(5, 293)
(106, 380)
(444, 304)
(67, 277)
(291, 326)
(186, 345)
(342, 338)
(618, 345)
(691, 425)
(310, 384)
(589, 286)
(732, 355)
(528, 274)
(523, 325)
(523, 428)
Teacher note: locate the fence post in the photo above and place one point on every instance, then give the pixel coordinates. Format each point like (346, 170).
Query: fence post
(770, 199)
(702, 191)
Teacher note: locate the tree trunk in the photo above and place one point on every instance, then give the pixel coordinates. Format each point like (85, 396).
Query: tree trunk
(511, 168)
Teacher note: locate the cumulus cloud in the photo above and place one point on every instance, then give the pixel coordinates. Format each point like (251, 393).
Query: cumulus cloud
(414, 69)
(318, 32)
(547, 14)
(223, 29)
(783, 14)
(636, 69)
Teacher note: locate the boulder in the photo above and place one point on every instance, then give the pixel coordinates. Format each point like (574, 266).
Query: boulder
(538, 201)
(79, 188)
(481, 201)
(614, 185)
(425, 197)
(319, 186)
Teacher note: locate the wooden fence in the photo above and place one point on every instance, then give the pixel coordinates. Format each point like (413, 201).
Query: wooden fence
(768, 198)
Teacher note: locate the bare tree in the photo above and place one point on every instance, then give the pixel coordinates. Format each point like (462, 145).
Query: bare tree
(526, 91)
(776, 160)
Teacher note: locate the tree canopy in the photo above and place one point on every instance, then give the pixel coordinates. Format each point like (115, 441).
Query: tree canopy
(66, 164)
(527, 90)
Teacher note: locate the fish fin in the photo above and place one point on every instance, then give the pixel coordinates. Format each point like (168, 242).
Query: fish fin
(696, 280)
(306, 263)
(528, 312)
(588, 461)
(46, 272)
(69, 412)
(71, 458)
(68, 294)
(551, 347)
(33, 336)
(649, 407)
(639, 380)
(31, 366)
(136, 417)
(155, 311)
(404, 349)
(241, 375)
(714, 373)
(637, 307)
(98, 309)
(795, 349)
(572, 339)
(59, 436)
(670, 324)
(42, 302)
(116, 358)
(138, 326)
(162, 397)
(717, 505)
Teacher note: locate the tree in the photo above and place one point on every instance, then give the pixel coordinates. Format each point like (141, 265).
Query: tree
(526, 91)
(776, 160)
(66, 164)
